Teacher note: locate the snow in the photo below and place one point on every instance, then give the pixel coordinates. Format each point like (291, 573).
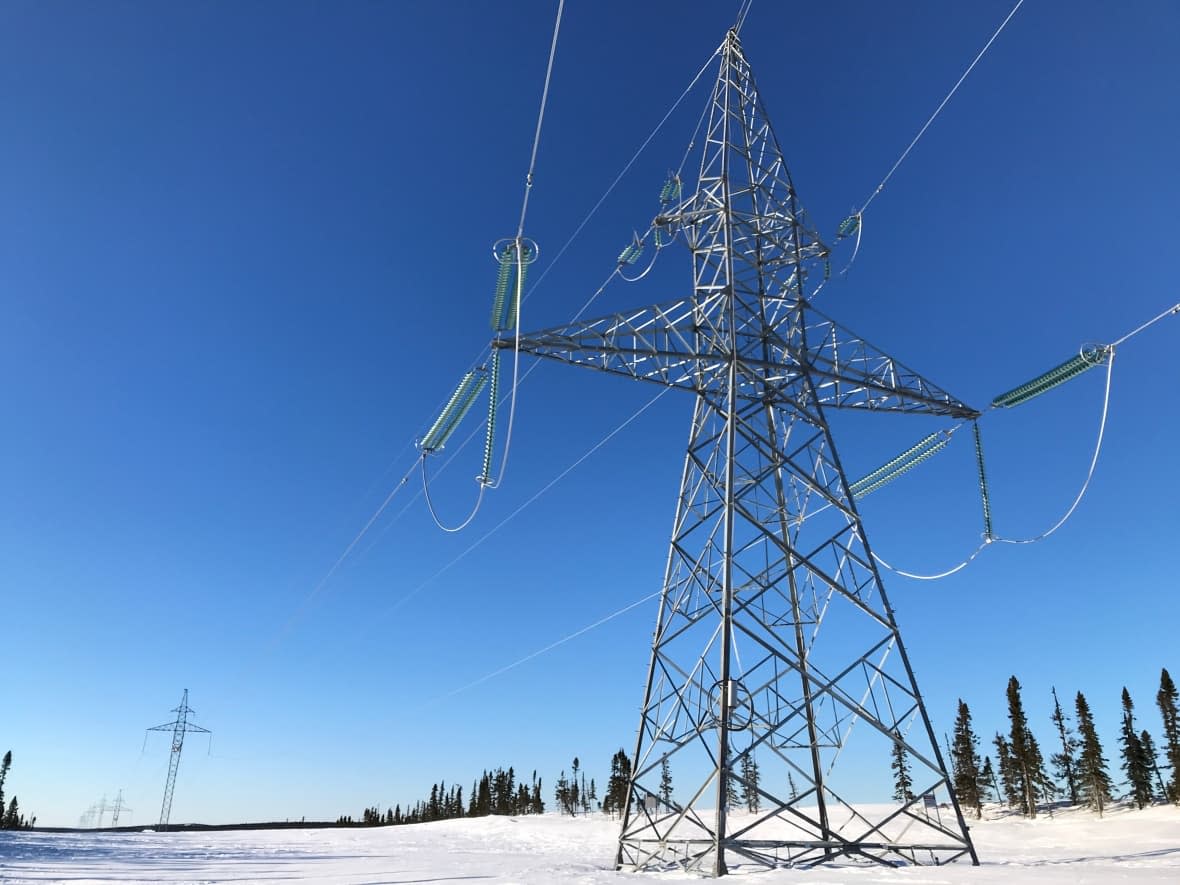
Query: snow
(1073, 847)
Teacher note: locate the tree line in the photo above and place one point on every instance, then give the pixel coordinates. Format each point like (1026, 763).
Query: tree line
(495, 792)
(10, 814)
(498, 792)
(1021, 776)
(1078, 772)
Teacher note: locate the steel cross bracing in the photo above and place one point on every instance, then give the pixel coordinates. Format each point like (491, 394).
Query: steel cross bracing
(767, 546)
(179, 727)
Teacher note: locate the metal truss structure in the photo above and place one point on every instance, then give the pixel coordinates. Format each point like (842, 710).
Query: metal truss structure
(746, 695)
(179, 728)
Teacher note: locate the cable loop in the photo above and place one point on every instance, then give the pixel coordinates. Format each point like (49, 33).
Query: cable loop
(434, 515)
(1089, 473)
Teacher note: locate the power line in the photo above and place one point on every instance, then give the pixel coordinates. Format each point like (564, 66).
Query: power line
(938, 110)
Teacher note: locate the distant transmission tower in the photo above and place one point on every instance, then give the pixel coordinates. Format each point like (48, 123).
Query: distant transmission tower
(117, 808)
(179, 727)
(102, 810)
(746, 695)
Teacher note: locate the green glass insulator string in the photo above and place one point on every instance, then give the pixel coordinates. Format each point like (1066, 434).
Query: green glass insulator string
(1087, 359)
(455, 410)
(514, 262)
(848, 226)
(485, 476)
(502, 280)
(631, 254)
(983, 495)
(670, 192)
(903, 463)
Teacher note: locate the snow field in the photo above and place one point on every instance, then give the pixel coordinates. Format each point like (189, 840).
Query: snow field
(1072, 846)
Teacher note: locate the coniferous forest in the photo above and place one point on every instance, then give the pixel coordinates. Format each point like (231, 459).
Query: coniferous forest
(1068, 763)
(1078, 769)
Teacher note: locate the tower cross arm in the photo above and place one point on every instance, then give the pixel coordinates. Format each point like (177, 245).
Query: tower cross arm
(659, 344)
(687, 344)
(851, 373)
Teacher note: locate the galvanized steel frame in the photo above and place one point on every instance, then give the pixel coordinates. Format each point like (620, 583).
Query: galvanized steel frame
(179, 728)
(767, 541)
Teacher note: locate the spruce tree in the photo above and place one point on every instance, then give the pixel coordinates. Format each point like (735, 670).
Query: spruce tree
(1011, 795)
(988, 782)
(1167, 699)
(1028, 766)
(575, 793)
(732, 797)
(484, 804)
(665, 783)
(1148, 744)
(5, 764)
(751, 778)
(965, 761)
(561, 793)
(903, 784)
(1135, 761)
(1065, 762)
(615, 800)
(12, 818)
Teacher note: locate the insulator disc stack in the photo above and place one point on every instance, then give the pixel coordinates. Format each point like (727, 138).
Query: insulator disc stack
(1067, 371)
(983, 495)
(485, 476)
(454, 411)
(903, 463)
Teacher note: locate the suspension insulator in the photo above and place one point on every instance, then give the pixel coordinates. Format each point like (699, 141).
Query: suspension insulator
(983, 495)
(631, 254)
(848, 226)
(454, 411)
(660, 235)
(502, 279)
(1067, 371)
(670, 192)
(510, 284)
(489, 447)
(891, 470)
(522, 272)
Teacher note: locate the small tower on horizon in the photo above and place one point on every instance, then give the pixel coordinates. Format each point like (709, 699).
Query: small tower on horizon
(118, 808)
(179, 727)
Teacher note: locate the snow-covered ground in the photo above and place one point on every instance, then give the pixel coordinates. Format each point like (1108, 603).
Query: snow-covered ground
(1071, 847)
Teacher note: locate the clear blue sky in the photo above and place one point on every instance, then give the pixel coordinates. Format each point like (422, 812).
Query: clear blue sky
(244, 253)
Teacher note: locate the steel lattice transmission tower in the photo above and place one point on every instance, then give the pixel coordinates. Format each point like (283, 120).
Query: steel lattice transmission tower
(179, 727)
(774, 636)
(118, 808)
